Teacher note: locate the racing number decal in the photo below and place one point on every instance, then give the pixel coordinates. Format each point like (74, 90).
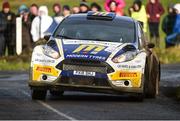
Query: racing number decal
(87, 48)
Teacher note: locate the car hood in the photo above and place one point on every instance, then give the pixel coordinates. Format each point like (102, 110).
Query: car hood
(87, 49)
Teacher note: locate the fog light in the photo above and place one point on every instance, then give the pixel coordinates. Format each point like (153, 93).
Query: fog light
(44, 77)
(126, 83)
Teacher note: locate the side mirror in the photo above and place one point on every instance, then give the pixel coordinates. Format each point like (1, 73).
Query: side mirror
(47, 37)
(150, 45)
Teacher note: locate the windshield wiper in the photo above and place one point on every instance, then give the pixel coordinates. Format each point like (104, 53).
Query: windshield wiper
(64, 37)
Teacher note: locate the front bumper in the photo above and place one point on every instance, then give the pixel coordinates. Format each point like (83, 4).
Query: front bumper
(63, 78)
(105, 86)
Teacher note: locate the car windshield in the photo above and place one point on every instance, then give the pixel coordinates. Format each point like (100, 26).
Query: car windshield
(97, 30)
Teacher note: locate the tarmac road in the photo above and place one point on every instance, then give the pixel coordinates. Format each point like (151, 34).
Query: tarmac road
(16, 103)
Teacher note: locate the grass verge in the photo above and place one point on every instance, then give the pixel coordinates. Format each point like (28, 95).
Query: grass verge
(169, 56)
(14, 63)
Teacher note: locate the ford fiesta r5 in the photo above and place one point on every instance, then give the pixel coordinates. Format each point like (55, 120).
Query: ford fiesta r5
(95, 52)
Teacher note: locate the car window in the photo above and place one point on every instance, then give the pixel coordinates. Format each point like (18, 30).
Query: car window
(97, 30)
(141, 36)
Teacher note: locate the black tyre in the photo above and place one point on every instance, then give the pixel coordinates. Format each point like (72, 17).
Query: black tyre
(38, 94)
(152, 90)
(152, 82)
(56, 93)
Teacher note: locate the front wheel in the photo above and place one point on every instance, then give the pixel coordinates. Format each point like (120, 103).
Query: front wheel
(153, 90)
(152, 83)
(38, 94)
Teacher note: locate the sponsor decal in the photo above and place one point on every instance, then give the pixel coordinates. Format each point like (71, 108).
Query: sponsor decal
(133, 77)
(129, 66)
(85, 49)
(93, 49)
(39, 70)
(44, 61)
(86, 56)
(127, 74)
(86, 42)
(77, 56)
(44, 69)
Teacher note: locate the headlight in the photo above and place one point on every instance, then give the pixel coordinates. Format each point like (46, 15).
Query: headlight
(48, 51)
(127, 56)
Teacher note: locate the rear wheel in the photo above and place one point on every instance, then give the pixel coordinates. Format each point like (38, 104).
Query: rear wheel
(38, 94)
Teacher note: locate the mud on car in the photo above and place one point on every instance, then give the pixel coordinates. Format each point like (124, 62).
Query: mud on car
(95, 52)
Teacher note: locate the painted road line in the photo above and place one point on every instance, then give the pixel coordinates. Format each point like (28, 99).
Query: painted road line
(51, 108)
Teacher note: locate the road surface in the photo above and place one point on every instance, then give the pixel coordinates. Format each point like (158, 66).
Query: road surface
(16, 103)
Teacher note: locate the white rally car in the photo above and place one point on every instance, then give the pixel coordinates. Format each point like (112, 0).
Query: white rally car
(95, 52)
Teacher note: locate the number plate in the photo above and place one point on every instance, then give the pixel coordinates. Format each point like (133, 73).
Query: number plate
(84, 73)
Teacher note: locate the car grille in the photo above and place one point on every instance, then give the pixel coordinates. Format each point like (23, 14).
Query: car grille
(84, 81)
(84, 68)
(85, 65)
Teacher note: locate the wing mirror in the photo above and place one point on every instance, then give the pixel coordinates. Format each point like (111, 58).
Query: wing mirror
(150, 45)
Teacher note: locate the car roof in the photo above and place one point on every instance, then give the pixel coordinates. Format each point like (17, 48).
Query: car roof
(116, 18)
